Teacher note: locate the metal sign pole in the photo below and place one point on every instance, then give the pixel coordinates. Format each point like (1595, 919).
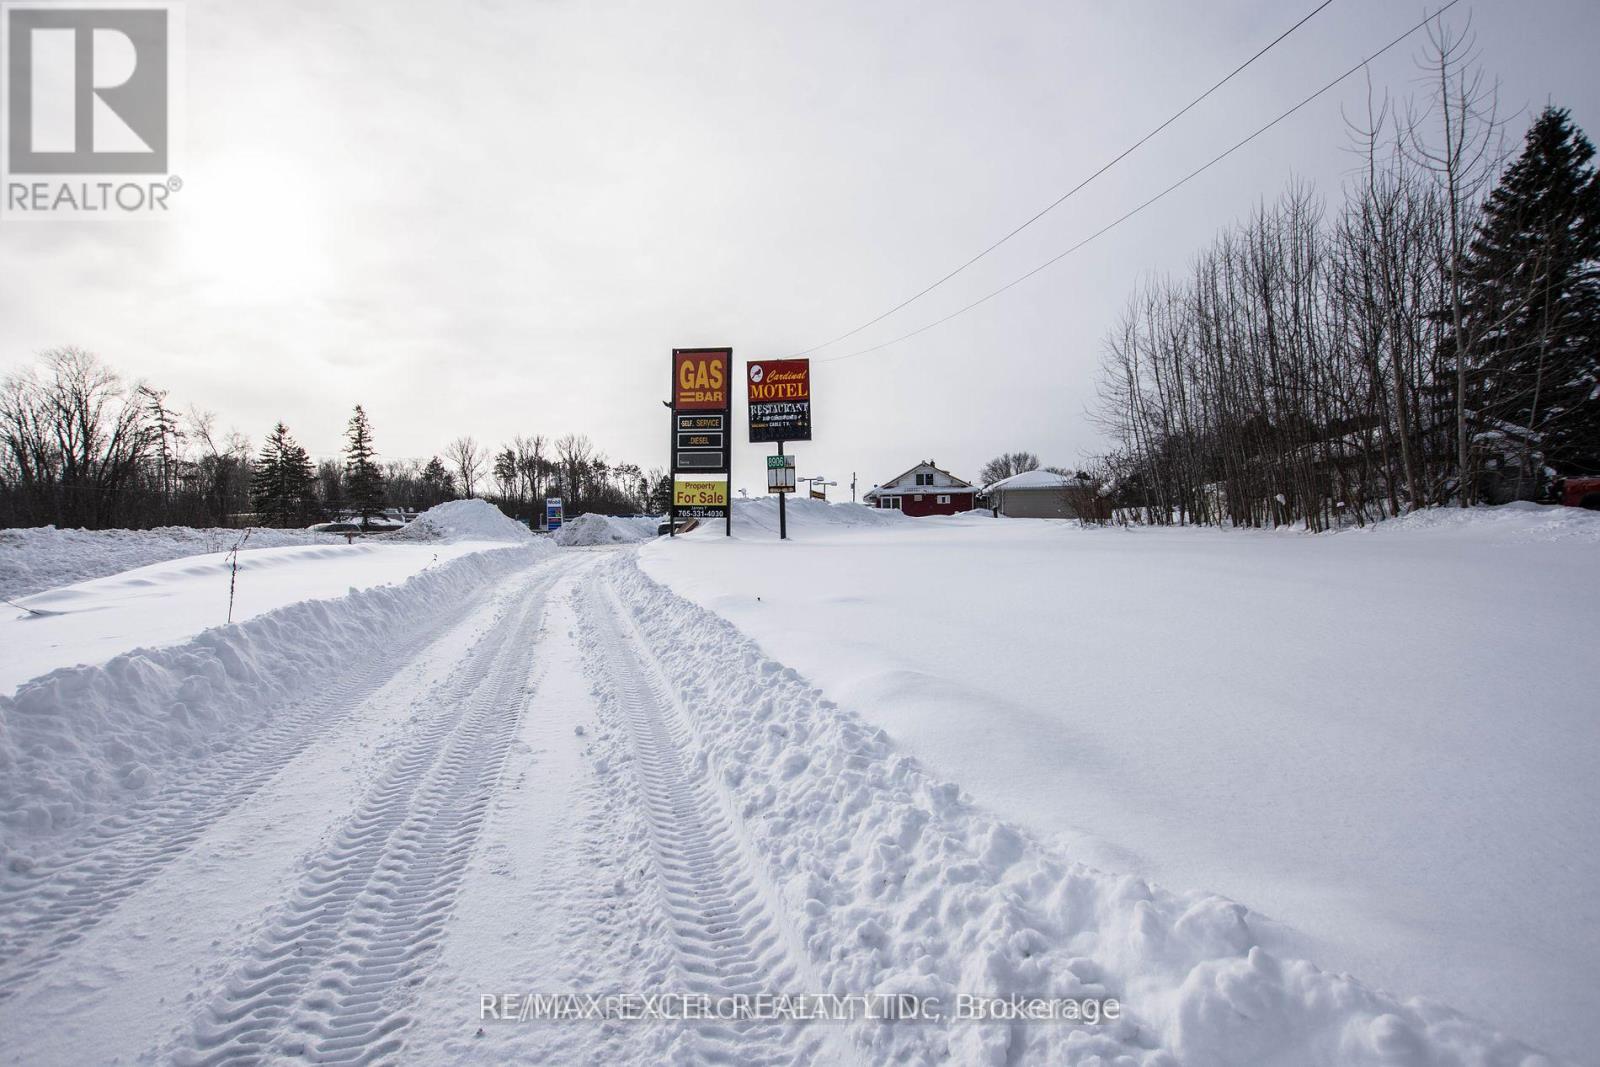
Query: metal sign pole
(672, 449)
(783, 519)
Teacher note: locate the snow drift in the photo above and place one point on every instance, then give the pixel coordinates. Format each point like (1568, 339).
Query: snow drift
(590, 530)
(83, 741)
(898, 884)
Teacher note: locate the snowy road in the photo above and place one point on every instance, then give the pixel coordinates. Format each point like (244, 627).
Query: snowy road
(199, 927)
(550, 774)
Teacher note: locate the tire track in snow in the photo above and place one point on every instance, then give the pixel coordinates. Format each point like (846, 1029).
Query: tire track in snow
(330, 975)
(54, 904)
(727, 939)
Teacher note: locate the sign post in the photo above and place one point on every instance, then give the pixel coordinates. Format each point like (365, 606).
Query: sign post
(702, 403)
(780, 480)
(552, 513)
(780, 410)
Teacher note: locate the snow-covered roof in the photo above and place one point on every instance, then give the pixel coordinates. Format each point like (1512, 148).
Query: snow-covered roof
(927, 464)
(1037, 479)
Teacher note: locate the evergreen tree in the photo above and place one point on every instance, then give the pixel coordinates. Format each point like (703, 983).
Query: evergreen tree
(437, 483)
(363, 481)
(1533, 302)
(281, 485)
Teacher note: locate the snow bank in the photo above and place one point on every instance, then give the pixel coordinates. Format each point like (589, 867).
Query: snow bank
(45, 557)
(898, 884)
(589, 530)
(463, 520)
(82, 741)
(1520, 522)
(760, 516)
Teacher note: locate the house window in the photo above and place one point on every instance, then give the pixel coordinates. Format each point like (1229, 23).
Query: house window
(925, 478)
(943, 498)
(891, 502)
(917, 497)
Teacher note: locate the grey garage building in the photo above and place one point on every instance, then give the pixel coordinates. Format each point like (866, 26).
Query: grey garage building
(1036, 494)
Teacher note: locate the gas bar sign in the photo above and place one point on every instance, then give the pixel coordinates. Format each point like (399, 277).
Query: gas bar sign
(702, 402)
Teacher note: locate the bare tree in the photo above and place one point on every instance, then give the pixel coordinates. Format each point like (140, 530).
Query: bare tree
(1007, 464)
(468, 459)
(1462, 163)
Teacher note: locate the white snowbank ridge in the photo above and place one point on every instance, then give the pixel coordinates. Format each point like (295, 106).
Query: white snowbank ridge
(44, 557)
(589, 530)
(897, 884)
(83, 741)
(761, 514)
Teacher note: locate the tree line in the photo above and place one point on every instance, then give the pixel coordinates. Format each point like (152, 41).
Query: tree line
(82, 447)
(1433, 339)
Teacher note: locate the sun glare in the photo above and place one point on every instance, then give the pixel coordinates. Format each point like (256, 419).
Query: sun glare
(254, 233)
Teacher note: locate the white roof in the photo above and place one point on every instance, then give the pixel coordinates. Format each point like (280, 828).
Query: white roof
(1036, 479)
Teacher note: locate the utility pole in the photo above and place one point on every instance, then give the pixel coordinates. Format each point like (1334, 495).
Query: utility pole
(852, 487)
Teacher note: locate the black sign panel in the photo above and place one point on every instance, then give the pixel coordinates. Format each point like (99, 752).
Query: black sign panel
(700, 440)
(715, 423)
(780, 420)
(713, 460)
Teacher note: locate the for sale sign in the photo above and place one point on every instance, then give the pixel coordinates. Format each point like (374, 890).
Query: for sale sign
(700, 498)
(779, 394)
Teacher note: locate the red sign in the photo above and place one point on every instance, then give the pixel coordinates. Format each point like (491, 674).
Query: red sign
(780, 399)
(780, 379)
(700, 379)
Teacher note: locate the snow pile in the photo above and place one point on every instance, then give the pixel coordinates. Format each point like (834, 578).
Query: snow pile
(463, 520)
(897, 884)
(590, 530)
(44, 557)
(81, 741)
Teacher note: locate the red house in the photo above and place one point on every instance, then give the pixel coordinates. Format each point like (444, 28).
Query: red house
(924, 490)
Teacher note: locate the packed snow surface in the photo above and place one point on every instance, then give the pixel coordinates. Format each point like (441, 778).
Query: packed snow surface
(1385, 740)
(590, 530)
(44, 557)
(330, 831)
(536, 772)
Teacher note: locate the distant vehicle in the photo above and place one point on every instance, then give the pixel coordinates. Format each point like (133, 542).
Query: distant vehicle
(335, 527)
(1579, 492)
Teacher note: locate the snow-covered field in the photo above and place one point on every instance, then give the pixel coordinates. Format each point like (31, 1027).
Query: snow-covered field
(45, 557)
(1385, 740)
(164, 603)
(891, 756)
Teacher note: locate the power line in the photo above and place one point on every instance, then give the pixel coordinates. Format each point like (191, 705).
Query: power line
(1058, 201)
(1163, 193)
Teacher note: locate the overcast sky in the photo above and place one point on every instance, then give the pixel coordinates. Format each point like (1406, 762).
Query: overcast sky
(500, 217)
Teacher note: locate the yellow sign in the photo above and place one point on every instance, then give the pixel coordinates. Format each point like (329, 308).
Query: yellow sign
(696, 494)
